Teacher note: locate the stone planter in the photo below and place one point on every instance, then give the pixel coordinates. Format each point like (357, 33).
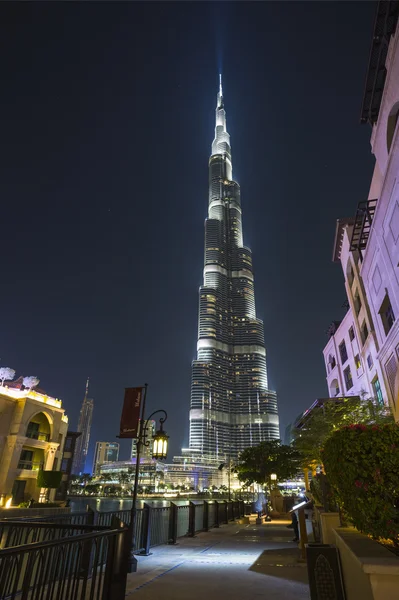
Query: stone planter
(329, 521)
(370, 571)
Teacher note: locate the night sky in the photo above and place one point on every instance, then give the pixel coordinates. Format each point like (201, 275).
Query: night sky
(107, 119)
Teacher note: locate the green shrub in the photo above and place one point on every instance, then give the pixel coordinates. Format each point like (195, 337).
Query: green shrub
(323, 493)
(362, 464)
(48, 479)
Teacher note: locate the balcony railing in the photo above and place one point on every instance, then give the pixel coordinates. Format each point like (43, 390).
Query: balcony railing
(30, 465)
(38, 435)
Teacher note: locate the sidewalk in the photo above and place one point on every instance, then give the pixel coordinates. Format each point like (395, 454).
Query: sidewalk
(235, 561)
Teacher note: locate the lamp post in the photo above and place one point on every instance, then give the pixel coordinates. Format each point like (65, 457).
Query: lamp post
(160, 449)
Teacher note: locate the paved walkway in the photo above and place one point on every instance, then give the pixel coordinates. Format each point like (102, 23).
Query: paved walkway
(236, 561)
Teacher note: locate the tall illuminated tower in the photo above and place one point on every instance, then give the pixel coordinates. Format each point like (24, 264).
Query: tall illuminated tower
(84, 426)
(231, 405)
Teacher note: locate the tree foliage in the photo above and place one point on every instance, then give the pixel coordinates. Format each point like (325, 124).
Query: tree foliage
(30, 382)
(362, 464)
(48, 479)
(6, 374)
(256, 464)
(321, 424)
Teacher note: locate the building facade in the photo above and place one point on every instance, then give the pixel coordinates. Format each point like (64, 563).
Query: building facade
(105, 452)
(231, 405)
(66, 464)
(367, 245)
(84, 427)
(33, 428)
(145, 451)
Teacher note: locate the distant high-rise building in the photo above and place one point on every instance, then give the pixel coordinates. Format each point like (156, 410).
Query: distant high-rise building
(231, 405)
(146, 451)
(84, 426)
(105, 452)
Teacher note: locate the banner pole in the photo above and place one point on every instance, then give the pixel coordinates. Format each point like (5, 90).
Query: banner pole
(140, 439)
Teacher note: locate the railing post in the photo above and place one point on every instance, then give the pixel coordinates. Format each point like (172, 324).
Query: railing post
(206, 516)
(91, 516)
(217, 524)
(172, 524)
(303, 534)
(226, 513)
(191, 519)
(116, 568)
(145, 538)
(233, 512)
(85, 563)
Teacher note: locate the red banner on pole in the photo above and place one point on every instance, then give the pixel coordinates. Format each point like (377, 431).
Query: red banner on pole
(131, 412)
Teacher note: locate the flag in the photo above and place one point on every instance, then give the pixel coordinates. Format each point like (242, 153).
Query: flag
(131, 412)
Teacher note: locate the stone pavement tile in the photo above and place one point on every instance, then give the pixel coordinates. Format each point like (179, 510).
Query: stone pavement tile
(235, 562)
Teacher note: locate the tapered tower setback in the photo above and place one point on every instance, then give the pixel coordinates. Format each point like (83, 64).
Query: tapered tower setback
(231, 405)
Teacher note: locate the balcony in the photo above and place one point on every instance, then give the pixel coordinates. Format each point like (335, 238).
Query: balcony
(30, 465)
(41, 436)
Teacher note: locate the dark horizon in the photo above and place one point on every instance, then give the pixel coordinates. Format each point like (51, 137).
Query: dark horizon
(107, 124)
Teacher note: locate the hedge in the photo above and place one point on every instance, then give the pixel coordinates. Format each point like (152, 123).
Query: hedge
(48, 479)
(362, 464)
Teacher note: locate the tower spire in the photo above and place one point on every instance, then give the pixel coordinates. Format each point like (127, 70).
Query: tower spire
(220, 85)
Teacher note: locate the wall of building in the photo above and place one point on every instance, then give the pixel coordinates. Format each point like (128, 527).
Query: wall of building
(380, 266)
(19, 408)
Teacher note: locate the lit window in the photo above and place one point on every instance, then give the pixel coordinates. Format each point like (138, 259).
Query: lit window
(357, 362)
(378, 391)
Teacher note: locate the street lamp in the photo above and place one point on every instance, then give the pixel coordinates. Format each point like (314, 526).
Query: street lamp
(160, 441)
(160, 448)
(273, 477)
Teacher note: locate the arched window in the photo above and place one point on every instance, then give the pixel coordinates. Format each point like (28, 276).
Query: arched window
(334, 388)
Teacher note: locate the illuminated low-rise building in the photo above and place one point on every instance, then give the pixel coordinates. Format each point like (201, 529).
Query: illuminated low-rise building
(151, 472)
(33, 427)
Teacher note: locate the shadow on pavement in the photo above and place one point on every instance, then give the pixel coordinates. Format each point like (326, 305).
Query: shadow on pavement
(283, 563)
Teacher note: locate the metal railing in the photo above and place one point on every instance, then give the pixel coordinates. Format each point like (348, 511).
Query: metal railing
(30, 465)
(84, 555)
(85, 566)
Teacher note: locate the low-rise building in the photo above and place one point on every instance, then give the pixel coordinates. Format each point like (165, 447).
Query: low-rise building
(33, 427)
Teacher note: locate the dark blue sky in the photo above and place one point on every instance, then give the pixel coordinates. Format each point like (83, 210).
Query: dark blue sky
(107, 116)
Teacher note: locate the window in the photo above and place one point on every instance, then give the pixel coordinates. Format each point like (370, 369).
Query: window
(68, 444)
(364, 332)
(64, 465)
(348, 378)
(351, 334)
(369, 361)
(357, 362)
(331, 363)
(387, 315)
(349, 273)
(377, 391)
(342, 351)
(357, 302)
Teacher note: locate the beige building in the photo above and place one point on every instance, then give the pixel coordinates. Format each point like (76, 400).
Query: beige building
(33, 427)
